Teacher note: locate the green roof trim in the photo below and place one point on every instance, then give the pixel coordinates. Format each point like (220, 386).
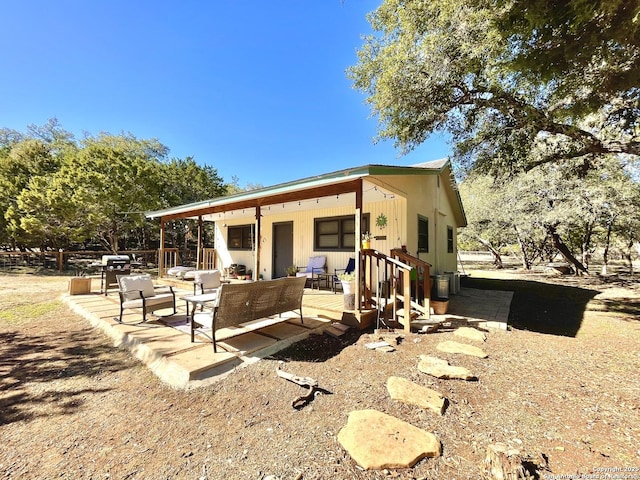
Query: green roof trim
(428, 168)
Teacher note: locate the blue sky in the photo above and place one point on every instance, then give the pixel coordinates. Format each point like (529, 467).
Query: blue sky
(255, 89)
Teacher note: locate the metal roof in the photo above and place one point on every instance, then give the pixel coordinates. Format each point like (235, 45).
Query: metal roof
(344, 176)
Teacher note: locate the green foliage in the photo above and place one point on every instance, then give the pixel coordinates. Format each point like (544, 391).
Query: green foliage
(57, 192)
(347, 277)
(581, 207)
(517, 84)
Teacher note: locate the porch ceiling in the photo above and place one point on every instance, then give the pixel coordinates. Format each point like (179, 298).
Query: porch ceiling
(371, 193)
(304, 200)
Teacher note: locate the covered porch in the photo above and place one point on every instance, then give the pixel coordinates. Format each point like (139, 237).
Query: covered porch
(348, 192)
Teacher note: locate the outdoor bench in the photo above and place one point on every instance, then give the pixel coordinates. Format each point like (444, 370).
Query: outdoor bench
(239, 303)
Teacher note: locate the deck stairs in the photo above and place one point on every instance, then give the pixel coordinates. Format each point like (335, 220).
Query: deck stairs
(387, 280)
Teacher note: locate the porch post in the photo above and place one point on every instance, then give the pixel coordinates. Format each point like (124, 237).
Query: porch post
(199, 259)
(161, 250)
(359, 272)
(256, 263)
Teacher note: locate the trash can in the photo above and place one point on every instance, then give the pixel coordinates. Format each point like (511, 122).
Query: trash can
(442, 286)
(454, 282)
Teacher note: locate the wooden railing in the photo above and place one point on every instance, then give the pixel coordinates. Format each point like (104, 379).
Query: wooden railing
(167, 258)
(209, 259)
(421, 284)
(385, 282)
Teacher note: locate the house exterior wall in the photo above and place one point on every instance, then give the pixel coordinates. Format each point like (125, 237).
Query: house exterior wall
(416, 195)
(430, 197)
(303, 233)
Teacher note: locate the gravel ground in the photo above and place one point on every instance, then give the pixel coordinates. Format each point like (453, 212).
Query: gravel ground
(73, 406)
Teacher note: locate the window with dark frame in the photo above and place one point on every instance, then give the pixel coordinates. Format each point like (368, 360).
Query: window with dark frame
(423, 234)
(449, 239)
(240, 237)
(337, 233)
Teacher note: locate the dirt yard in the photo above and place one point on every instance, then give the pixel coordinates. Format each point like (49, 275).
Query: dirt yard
(562, 387)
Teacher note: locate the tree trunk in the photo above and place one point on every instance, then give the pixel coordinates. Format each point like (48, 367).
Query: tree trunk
(526, 261)
(504, 463)
(586, 245)
(565, 252)
(605, 254)
(628, 256)
(497, 258)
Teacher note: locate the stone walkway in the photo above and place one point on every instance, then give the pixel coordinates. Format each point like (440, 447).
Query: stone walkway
(485, 308)
(376, 440)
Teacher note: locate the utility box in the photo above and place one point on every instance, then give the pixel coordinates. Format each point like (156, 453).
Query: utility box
(79, 285)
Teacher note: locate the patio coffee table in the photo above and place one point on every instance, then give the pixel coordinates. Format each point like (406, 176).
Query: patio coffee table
(196, 300)
(201, 300)
(326, 279)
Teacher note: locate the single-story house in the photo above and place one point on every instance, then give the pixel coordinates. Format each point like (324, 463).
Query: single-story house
(415, 209)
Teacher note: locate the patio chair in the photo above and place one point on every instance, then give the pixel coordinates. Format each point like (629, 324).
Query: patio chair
(351, 266)
(206, 281)
(138, 291)
(313, 270)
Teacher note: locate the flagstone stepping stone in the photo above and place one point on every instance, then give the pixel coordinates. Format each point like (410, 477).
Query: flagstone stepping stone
(409, 392)
(471, 334)
(439, 368)
(376, 440)
(456, 347)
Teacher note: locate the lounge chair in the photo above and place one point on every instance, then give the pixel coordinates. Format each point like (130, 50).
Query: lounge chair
(351, 266)
(316, 266)
(206, 281)
(138, 291)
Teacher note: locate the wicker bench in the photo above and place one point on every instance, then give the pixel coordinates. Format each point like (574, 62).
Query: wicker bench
(240, 303)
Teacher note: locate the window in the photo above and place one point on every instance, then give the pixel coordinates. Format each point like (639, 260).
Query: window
(423, 234)
(240, 237)
(449, 239)
(337, 233)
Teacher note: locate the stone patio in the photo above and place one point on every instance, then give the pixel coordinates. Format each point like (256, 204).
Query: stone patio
(170, 355)
(168, 351)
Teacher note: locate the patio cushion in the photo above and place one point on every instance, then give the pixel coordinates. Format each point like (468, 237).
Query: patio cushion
(207, 279)
(316, 263)
(135, 283)
(204, 318)
(179, 271)
(159, 299)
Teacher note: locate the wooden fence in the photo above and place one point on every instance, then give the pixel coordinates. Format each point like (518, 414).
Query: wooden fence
(82, 260)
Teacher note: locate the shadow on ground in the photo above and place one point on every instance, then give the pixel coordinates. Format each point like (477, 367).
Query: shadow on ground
(318, 347)
(622, 305)
(540, 307)
(33, 370)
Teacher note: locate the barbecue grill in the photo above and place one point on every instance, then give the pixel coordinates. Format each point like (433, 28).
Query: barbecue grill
(112, 265)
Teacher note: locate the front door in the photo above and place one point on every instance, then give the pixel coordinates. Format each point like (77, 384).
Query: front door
(282, 248)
